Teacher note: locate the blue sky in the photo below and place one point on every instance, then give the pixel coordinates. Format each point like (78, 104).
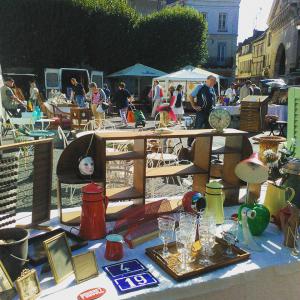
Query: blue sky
(253, 14)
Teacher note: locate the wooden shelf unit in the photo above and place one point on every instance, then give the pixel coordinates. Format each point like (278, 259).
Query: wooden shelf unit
(237, 147)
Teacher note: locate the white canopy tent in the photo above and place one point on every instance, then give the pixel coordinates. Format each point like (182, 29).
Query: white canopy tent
(189, 77)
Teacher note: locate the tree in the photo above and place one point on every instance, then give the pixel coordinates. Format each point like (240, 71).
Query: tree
(171, 38)
(103, 34)
(69, 33)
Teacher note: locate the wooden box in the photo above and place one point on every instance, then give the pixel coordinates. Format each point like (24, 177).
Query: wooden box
(253, 112)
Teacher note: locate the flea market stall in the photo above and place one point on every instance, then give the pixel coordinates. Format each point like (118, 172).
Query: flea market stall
(220, 239)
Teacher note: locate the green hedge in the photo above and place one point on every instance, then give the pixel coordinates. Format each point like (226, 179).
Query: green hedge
(103, 34)
(172, 38)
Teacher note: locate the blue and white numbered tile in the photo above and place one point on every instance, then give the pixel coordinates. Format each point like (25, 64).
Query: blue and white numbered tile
(124, 268)
(135, 282)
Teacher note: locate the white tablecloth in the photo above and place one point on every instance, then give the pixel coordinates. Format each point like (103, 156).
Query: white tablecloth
(233, 110)
(273, 109)
(271, 274)
(278, 110)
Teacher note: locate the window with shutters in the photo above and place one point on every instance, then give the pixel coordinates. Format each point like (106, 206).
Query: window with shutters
(222, 27)
(221, 52)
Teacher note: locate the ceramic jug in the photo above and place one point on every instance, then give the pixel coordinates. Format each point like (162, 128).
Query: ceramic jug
(215, 198)
(276, 198)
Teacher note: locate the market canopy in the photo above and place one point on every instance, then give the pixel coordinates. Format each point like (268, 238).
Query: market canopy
(182, 75)
(201, 71)
(138, 70)
(188, 74)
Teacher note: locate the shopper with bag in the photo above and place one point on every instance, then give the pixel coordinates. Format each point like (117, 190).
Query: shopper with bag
(178, 105)
(98, 103)
(122, 99)
(157, 95)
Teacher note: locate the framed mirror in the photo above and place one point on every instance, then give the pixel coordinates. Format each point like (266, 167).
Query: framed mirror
(59, 256)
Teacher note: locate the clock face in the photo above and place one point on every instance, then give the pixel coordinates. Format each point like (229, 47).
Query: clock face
(219, 119)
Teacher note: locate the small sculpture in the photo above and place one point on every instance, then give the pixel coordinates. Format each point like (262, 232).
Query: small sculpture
(248, 239)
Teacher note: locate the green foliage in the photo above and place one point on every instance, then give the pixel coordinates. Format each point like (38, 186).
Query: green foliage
(172, 38)
(102, 34)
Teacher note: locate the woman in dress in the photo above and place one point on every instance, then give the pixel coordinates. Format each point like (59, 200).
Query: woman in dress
(178, 105)
(97, 97)
(165, 110)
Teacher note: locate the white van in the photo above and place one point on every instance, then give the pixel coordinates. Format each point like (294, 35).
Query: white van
(59, 79)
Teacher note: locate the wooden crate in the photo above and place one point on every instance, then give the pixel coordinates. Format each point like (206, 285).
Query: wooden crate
(253, 112)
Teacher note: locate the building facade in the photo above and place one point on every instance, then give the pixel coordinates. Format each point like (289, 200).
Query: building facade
(283, 42)
(222, 17)
(251, 57)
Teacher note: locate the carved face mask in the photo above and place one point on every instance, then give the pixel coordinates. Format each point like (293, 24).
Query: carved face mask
(86, 166)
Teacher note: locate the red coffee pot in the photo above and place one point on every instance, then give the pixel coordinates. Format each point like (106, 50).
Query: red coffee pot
(94, 204)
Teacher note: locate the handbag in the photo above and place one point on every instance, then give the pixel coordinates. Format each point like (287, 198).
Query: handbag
(105, 106)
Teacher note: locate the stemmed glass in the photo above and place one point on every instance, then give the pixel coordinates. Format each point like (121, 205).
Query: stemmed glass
(229, 234)
(207, 231)
(185, 237)
(166, 226)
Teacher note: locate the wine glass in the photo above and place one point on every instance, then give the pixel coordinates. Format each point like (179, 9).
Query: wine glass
(229, 234)
(207, 232)
(166, 226)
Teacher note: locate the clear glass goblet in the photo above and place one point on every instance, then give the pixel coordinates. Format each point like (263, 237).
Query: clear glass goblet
(166, 226)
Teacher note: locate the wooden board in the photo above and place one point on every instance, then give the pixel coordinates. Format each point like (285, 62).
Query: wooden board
(42, 182)
(129, 135)
(219, 260)
(180, 170)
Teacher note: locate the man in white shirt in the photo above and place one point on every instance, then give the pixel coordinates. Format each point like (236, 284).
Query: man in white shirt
(231, 93)
(246, 90)
(156, 97)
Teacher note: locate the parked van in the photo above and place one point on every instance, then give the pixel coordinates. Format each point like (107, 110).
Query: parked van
(59, 79)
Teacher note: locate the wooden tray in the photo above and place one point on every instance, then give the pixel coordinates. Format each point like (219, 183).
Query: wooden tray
(219, 260)
(36, 252)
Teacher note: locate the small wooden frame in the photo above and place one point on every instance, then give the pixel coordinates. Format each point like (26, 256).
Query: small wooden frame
(7, 290)
(85, 266)
(28, 285)
(59, 256)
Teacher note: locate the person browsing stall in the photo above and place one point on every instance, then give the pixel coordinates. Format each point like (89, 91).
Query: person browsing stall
(122, 99)
(78, 92)
(97, 97)
(156, 97)
(10, 102)
(230, 93)
(203, 99)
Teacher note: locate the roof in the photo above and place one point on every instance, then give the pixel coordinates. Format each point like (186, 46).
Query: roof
(188, 73)
(138, 70)
(256, 35)
(200, 71)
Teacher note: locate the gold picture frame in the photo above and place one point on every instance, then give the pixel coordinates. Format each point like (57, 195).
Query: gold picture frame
(28, 285)
(59, 256)
(7, 290)
(85, 266)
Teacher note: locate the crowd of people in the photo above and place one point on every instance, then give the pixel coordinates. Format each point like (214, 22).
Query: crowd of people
(169, 107)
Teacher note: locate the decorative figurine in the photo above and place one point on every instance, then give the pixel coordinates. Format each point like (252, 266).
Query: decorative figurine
(260, 222)
(248, 240)
(193, 202)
